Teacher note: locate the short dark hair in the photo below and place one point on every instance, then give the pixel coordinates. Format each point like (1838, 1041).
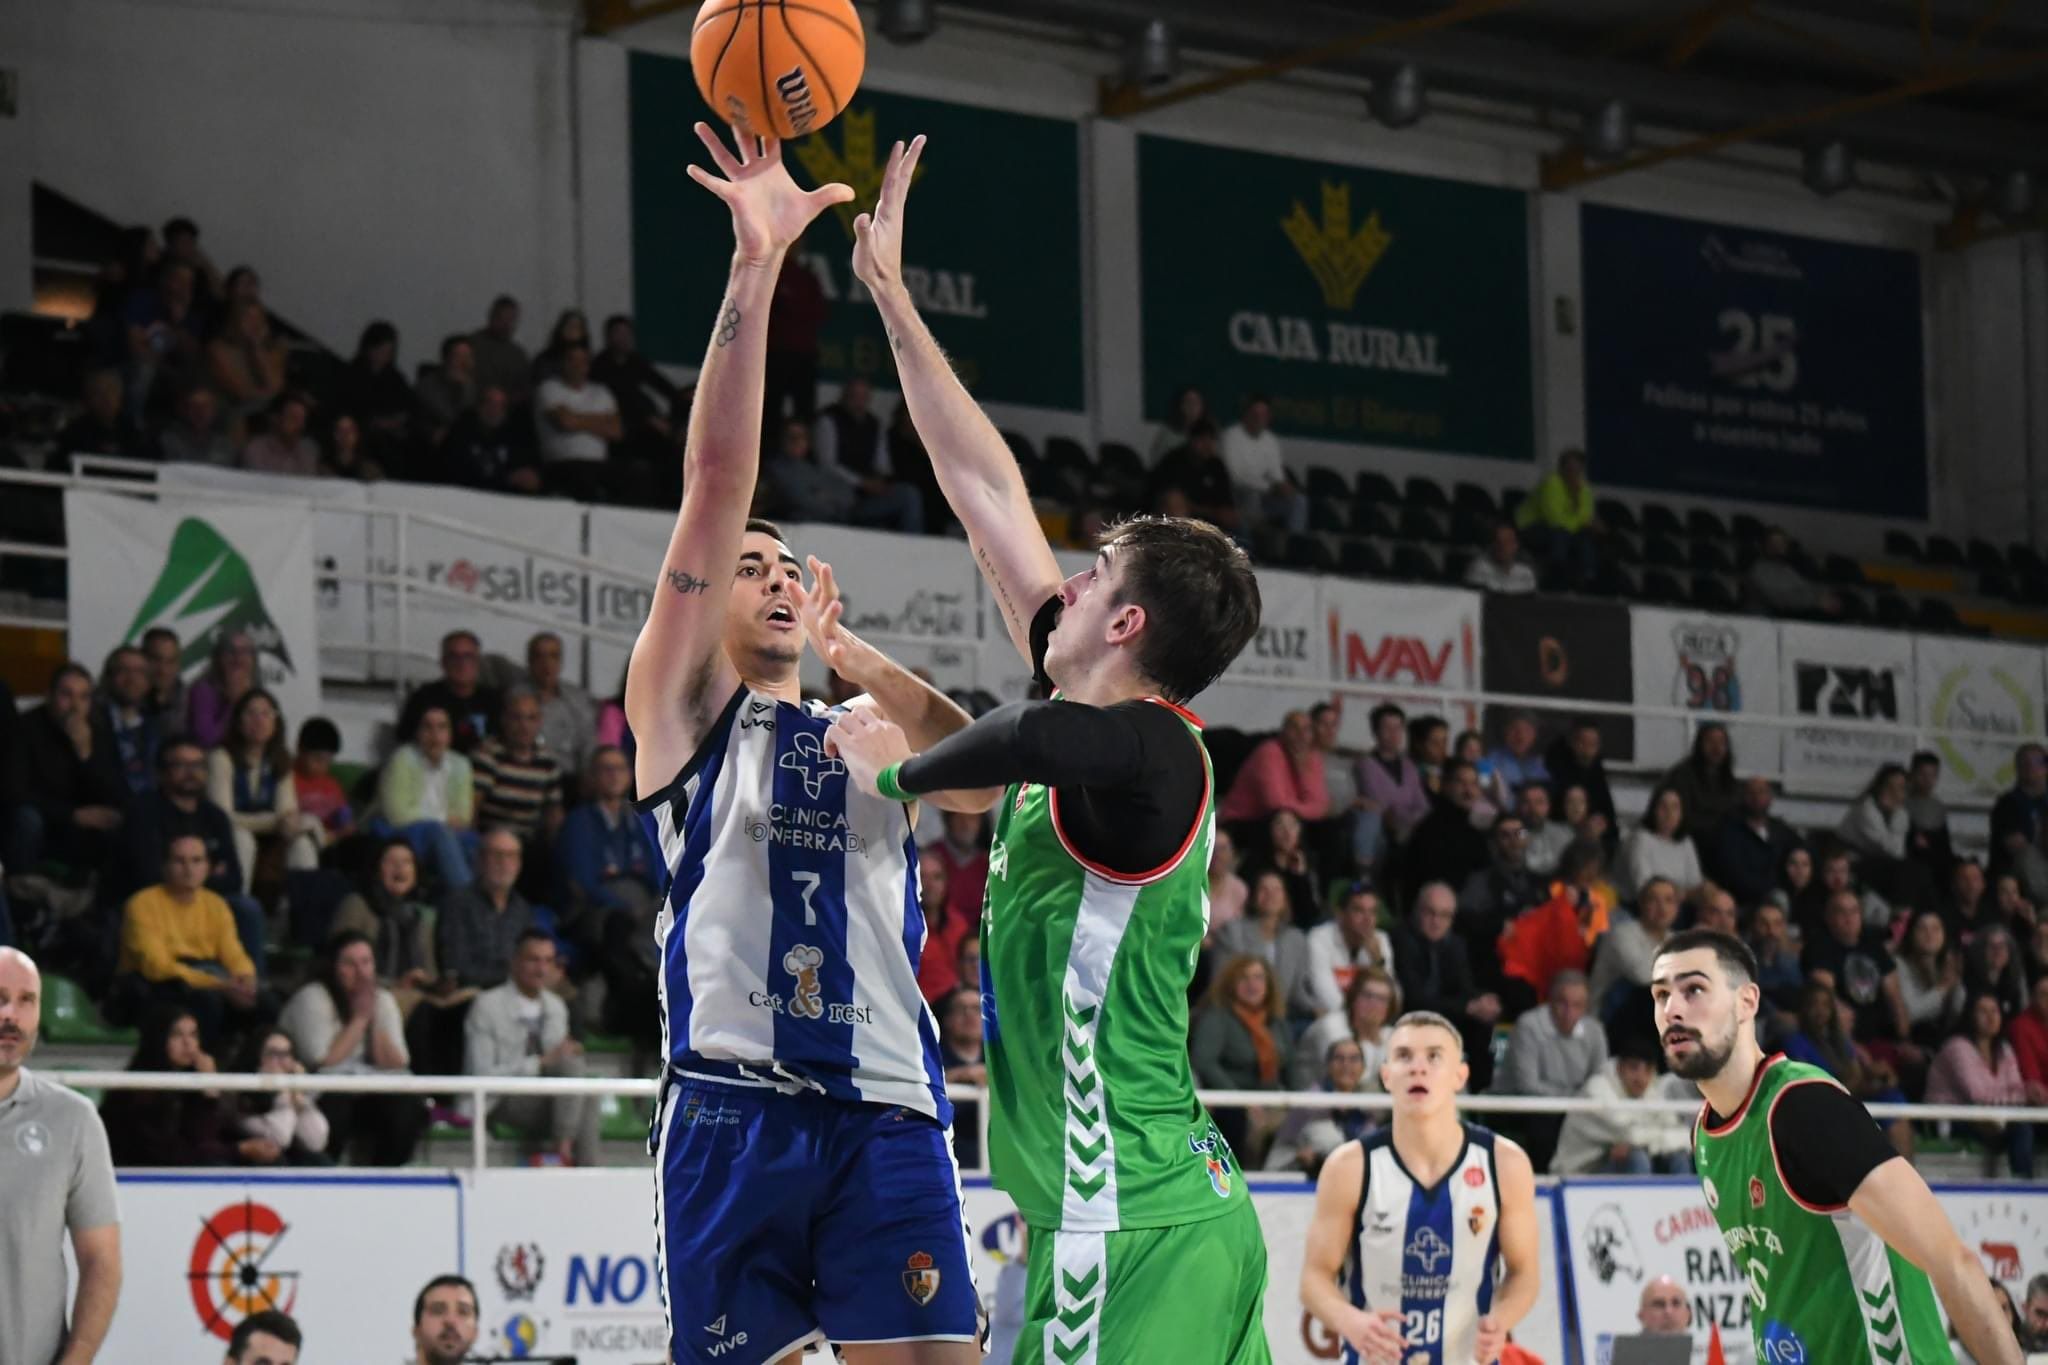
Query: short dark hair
(1425, 725)
(1731, 952)
(460, 634)
(66, 669)
(766, 528)
(1383, 710)
(160, 633)
(618, 320)
(1924, 757)
(1202, 426)
(502, 301)
(1579, 855)
(419, 1304)
(270, 1322)
(319, 735)
(449, 343)
(527, 936)
(1200, 596)
(174, 743)
(1320, 709)
(1429, 1019)
(1585, 723)
(1452, 765)
(180, 227)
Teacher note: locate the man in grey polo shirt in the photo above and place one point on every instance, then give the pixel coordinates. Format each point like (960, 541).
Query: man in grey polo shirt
(54, 1174)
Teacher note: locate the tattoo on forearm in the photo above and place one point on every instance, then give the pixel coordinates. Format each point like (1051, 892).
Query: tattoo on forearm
(895, 341)
(684, 582)
(995, 581)
(728, 324)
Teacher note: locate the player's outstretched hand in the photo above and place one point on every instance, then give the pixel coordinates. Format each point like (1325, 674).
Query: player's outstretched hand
(820, 609)
(878, 237)
(866, 743)
(1376, 1335)
(1492, 1338)
(769, 210)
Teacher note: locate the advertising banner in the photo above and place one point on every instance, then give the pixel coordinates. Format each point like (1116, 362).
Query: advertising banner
(1412, 641)
(1721, 667)
(1368, 306)
(201, 569)
(1291, 647)
(1991, 691)
(1733, 362)
(1562, 648)
(993, 256)
(1838, 672)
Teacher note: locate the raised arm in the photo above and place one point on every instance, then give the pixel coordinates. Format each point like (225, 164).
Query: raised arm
(975, 468)
(679, 675)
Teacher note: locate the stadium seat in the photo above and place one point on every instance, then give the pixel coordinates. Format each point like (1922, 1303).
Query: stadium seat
(1328, 514)
(1020, 446)
(1893, 611)
(1843, 570)
(1122, 467)
(70, 1016)
(1423, 492)
(1455, 564)
(1469, 528)
(1474, 499)
(1309, 553)
(1710, 556)
(1984, 557)
(1663, 588)
(1994, 585)
(1701, 524)
(1626, 548)
(1361, 559)
(1619, 581)
(1510, 499)
(1855, 607)
(1710, 593)
(1372, 519)
(1799, 559)
(1374, 487)
(1228, 748)
(1414, 564)
(1420, 524)
(1659, 520)
(1944, 552)
(620, 1120)
(1748, 529)
(1938, 614)
(1069, 459)
(1901, 545)
(1324, 484)
(2032, 590)
(1661, 552)
(2024, 559)
(312, 895)
(1616, 515)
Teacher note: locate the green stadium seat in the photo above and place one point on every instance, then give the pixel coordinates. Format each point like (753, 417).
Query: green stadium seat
(70, 1016)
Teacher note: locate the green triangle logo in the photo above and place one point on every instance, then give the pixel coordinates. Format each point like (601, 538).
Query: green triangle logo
(205, 591)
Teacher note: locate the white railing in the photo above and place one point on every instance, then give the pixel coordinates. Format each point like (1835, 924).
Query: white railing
(479, 1089)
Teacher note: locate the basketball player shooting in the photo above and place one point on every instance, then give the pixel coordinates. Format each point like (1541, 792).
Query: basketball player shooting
(1424, 1248)
(1844, 1246)
(805, 1186)
(1144, 1244)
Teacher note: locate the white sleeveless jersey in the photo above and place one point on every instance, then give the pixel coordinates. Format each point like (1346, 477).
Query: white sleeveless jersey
(1432, 1252)
(791, 928)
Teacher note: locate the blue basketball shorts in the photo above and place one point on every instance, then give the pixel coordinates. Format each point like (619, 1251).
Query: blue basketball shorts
(787, 1219)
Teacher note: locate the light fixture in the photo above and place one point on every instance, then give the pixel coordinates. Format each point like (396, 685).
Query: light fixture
(1827, 167)
(1611, 131)
(1399, 97)
(2014, 195)
(908, 21)
(1153, 57)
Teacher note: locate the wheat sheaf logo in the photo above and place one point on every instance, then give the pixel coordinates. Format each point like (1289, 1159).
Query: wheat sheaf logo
(1339, 257)
(855, 162)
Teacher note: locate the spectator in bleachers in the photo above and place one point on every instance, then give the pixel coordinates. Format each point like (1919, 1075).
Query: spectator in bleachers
(165, 328)
(1515, 762)
(389, 916)
(1559, 934)
(71, 778)
(649, 404)
(960, 1054)
(168, 1127)
(1240, 1041)
(1625, 1137)
(1581, 819)
(472, 704)
(284, 447)
(179, 807)
(343, 1023)
(1352, 835)
(124, 718)
(1927, 814)
(1306, 1137)
(518, 781)
(1340, 948)
(501, 362)
(246, 365)
(963, 846)
(797, 313)
(1388, 779)
(486, 449)
(1288, 856)
(2017, 815)
(181, 243)
(1706, 780)
(1429, 744)
(520, 1027)
(1860, 968)
(1435, 973)
(2028, 1034)
(1554, 1049)
(481, 922)
(1776, 586)
(575, 421)
(1710, 907)
(571, 328)
(1991, 966)
(1502, 569)
(1558, 521)
(913, 465)
(250, 777)
(427, 796)
(1268, 933)
(105, 427)
(568, 717)
(1660, 847)
(1977, 1066)
(1470, 747)
(606, 862)
(195, 435)
(284, 1127)
(1545, 839)
(1574, 760)
(1372, 1001)
(1195, 469)
(1621, 963)
(847, 441)
(1449, 845)
(1266, 492)
(1930, 980)
(2036, 957)
(313, 780)
(2010, 908)
(1746, 853)
(1284, 772)
(1777, 960)
(210, 701)
(179, 946)
(449, 389)
(342, 455)
(1188, 411)
(1877, 828)
(167, 694)
(1808, 881)
(1227, 891)
(1825, 1038)
(1493, 897)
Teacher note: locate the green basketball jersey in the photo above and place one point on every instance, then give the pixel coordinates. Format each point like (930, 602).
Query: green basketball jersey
(1094, 1124)
(1823, 1287)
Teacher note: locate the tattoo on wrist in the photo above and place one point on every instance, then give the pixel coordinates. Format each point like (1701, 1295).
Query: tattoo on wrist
(684, 582)
(728, 324)
(895, 341)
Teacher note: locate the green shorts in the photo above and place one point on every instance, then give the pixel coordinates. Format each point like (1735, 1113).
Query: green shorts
(1192, 1292)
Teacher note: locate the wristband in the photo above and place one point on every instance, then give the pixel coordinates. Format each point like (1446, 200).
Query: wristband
(887, 785)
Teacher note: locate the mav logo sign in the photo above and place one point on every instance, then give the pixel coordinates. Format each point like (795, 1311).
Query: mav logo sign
(1846, 691)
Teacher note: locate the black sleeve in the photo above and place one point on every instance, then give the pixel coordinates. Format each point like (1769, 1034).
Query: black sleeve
(1826, 1143)
(1041, 631)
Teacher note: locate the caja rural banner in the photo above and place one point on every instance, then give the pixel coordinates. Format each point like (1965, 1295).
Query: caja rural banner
(1562, 650)
(1718, 667)
(1839, 672)
(1411, 641)
(1993, 693)
(204, 570)
(992, 254)
(1369, 306)
(1734, 362)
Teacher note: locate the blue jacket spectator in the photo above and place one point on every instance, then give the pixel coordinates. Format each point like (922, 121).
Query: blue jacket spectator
(603, 851)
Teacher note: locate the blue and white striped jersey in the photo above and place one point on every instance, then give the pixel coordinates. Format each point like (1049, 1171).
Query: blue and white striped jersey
(1431, 1251)
(791, 929)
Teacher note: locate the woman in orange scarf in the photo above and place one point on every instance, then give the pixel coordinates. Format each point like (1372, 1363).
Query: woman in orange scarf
(1239, 1043)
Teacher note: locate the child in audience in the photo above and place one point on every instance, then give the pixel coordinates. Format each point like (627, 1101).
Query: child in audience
(320, 793)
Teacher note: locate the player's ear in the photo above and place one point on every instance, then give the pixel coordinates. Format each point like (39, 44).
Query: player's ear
(1464, 1075)
(1126, 623)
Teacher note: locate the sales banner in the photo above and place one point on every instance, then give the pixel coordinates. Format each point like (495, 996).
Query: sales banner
(1842, 673)
(1561, 650)
(205, 570)
(992, 256)
(343, 1253)
(1718, 667)
(1991, 693)
(1369, 306)
(1733, 362)
(1409, 644)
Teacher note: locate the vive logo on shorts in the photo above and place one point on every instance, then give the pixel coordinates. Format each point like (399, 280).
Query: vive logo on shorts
(725, 1343)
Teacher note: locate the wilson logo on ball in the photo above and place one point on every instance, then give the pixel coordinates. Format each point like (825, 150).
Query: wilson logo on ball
(778, 70)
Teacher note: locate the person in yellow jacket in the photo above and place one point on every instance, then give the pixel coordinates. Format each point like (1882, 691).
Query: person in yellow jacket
(1557, 521)
(179, 946)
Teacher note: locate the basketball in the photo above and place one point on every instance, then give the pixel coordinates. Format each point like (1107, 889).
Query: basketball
(778, 68)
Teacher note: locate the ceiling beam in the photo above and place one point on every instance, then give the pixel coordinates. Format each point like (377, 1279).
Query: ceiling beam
(1124, 99)
(1993, 12)
(1568, 168)
(601, 17)
(1699, 27)
(1821, 42)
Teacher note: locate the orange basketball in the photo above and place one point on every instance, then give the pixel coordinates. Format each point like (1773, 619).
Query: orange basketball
(778, 68)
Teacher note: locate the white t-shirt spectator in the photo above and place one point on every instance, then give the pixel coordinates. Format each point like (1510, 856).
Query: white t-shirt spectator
(1331, 965)
(1487, 575)
(311, 1021)
(592, 400)
(1253, 461)
(1645, 855)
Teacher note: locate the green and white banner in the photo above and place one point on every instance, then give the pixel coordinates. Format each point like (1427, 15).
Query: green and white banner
(205, 571)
